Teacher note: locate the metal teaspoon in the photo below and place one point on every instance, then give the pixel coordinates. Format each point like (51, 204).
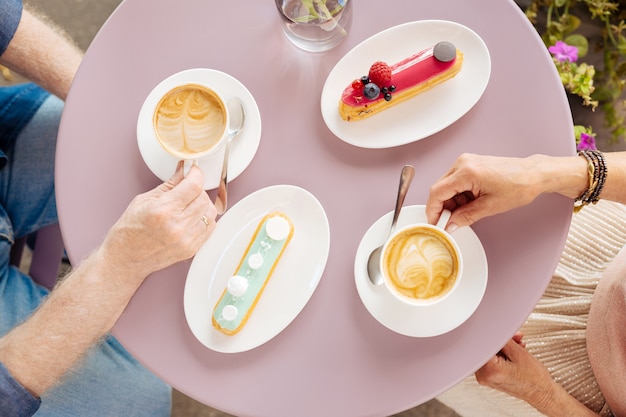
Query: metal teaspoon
(373, 263)
(237, 118)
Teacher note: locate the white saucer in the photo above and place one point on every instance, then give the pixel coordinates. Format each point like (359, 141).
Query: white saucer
(421, 321)
(243, 147)
(292, 283)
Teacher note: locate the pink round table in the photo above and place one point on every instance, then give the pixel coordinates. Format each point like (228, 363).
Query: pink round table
(334, 359)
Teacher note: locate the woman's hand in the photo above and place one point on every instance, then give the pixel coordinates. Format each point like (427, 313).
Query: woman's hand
(479, 186)
(516, 372)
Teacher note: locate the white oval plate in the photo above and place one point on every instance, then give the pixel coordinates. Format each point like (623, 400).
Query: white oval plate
(421, 321)
(290, 287)
(423, 115)
(243, 147)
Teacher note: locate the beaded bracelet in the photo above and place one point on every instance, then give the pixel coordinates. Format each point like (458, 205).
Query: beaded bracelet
(597, 171)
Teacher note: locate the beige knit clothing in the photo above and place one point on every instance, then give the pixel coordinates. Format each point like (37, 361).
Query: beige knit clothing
(558, 332)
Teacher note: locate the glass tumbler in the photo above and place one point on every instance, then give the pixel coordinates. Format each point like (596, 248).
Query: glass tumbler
(315, 25)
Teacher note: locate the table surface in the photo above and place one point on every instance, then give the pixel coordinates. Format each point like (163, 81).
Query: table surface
(334, 359)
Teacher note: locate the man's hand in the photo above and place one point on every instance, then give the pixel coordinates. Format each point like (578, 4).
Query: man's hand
(163, 226)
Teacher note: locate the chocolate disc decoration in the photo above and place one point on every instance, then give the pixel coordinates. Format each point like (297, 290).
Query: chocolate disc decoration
(444, 51)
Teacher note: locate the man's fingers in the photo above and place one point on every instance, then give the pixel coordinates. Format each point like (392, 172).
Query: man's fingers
(178, 176)
(185, 188)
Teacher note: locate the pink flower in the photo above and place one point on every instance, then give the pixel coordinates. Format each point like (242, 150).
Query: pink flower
(564, 52)
(586, 143)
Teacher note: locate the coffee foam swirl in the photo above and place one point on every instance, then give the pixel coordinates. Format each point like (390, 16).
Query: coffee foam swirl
(189, 120)
(421, 265)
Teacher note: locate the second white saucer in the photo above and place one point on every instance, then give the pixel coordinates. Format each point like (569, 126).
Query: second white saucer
(421, 321)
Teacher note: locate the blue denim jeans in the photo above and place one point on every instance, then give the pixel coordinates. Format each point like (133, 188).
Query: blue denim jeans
(109, 381)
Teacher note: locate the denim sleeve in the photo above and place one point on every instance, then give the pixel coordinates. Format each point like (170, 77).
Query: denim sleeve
(15, 400)
(10, 15)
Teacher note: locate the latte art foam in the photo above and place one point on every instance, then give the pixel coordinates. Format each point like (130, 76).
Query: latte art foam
(189, 120)
(421, 265)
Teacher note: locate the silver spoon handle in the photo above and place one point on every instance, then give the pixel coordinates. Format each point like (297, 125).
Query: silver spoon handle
(221, 200)
(406, 177)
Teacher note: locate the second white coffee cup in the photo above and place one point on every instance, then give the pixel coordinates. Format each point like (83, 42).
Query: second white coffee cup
(422, 263)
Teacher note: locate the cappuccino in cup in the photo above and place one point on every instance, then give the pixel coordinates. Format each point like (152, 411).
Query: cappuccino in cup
(190, 121)
(421, 264)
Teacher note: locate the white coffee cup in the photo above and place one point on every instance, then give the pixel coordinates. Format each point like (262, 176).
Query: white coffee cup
(422, 263)
(208, 97)
(191, 121)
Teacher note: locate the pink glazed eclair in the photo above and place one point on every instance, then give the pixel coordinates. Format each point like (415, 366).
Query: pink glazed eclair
(386, 86)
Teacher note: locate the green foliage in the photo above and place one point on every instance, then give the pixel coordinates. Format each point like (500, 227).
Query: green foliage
(603, 87)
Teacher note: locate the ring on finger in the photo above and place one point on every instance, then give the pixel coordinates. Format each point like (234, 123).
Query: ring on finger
(205, 220)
